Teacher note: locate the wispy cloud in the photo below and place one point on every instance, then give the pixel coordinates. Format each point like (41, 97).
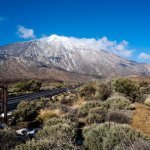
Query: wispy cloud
(144, 56)
(120, 48)
(2, 18)
(25, 33)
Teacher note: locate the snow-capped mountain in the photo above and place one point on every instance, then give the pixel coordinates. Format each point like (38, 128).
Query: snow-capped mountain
(59, 56)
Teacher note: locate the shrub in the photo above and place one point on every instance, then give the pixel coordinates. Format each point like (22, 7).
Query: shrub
(88, 90)
(29, 110)
(69, 100)
(70, 117)
(31, 85)
(56, 121)
(8, 139)
(83, 111)
(55, 105)
(98, 110)
(66, 98)
(128, 87)
(117, 103)
(34, 86)
(42, 103)
(57, 125)
(118, 117)
(57, 133)
(145, 87)
(21, 87)
(26, 111)
(138, 144)
(94, 118)
(110, 136)
(96, 115)
(103, 91)
(95, 90)
(55, 142)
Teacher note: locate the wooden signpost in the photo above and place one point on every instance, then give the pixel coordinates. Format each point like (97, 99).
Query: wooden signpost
(3, 101)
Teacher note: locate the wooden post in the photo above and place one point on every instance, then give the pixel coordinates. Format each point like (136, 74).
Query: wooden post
(1, 98)
(5, 103)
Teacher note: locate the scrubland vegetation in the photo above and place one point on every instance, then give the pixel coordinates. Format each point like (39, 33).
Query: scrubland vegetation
(98, 115)
(31, 85)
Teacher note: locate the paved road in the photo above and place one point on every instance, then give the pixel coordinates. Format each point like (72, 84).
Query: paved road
(13, 101)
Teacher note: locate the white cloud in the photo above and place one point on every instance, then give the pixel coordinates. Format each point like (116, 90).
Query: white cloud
(120, 48)
(25, 33)
(144, 56)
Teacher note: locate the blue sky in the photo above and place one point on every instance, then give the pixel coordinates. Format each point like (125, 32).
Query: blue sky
(123, 22)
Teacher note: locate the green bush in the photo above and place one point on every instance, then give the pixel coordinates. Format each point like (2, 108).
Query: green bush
(95, 118)
(128, 87)
(83, 111)
(56, 134)
(110, 136)
(55, 142)
(42, 103)
(145, 87)
(29, 110)
(96, 115)
(98, 110)
(56, 121)
(32, 86)
(56, 105)
(26, 111)
(8, 139)
(138, 144)
(68, 99)
(53, 125)
(117, 102)
(103, 91)
(95, 90)
(87, 90)
(70, 116)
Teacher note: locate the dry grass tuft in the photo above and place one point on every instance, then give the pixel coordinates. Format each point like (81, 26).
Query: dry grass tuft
(79, 103)
(48, 113)
(141, 118)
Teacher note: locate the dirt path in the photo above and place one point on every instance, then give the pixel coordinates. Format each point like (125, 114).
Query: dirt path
(141, 118)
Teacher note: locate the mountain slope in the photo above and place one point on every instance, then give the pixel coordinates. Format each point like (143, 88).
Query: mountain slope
(62, 57)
